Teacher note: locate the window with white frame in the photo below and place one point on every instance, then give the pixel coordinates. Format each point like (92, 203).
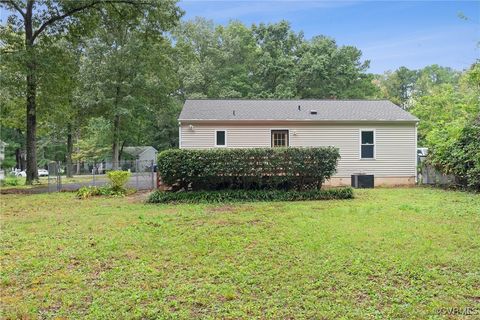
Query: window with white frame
(367, 144)
(279, 138)
(220, 138)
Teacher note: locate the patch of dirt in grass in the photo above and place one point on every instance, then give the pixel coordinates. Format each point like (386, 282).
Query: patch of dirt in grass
(362, 297)
(138, 197)
(32, 190)
(131, 255)
(230, 208)
(170, 211)
(223, 222)
(225, 208)
(99, 269)
(153, 224)
(251, 245)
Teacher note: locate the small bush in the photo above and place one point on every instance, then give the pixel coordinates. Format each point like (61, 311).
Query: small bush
(248, 196)
(258, 168)
(118, 179)
(92, 191)
(87, 192)
(10, 181)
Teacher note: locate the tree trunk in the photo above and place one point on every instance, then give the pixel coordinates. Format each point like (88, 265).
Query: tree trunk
(18, 158)
(31, 90)
(116, 142)
(69, 151)
(116, 131)
(121, 150)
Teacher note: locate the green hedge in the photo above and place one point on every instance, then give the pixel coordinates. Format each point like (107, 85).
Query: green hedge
(260, 168)
(248, 196)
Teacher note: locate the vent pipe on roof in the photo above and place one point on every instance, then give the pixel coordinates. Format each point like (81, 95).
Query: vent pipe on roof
(233, 112)
(299, 108)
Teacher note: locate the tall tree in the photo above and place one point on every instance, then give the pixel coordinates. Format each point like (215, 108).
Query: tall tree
(126, 75)
(329, 71)
(12, 79)
(399, 86)
(266, 61)
(38, 20)
(275, 67)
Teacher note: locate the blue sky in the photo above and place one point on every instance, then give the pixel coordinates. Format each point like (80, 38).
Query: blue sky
(389, 33)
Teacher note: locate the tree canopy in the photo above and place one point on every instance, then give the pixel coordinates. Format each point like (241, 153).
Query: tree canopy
(82, 79)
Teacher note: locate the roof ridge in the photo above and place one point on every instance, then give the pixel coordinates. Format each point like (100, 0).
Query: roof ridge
(296, 99)
(280, 109)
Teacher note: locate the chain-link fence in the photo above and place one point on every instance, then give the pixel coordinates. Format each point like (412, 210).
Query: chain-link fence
(429, 175)
(72, 177)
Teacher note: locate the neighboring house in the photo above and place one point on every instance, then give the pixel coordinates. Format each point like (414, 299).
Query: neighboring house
(146, 156)
(375, 137)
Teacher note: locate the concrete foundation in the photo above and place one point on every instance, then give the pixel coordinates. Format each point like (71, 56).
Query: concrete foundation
(379, 181)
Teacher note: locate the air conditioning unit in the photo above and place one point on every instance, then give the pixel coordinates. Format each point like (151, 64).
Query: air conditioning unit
(363, 181)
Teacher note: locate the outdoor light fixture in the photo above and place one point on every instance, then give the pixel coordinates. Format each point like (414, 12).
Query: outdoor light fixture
(191, 127)
(294, 132)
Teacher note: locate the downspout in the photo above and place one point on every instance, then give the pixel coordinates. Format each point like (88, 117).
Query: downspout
(415, 153)
(179, 135)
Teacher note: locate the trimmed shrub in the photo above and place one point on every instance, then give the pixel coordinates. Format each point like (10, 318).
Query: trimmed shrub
(248, 196)
(118, 179)
(260, 168)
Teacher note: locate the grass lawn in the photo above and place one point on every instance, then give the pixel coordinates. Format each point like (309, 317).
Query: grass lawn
(388, 254)
(43, 182)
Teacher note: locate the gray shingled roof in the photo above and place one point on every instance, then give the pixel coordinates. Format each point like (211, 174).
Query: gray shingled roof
(327, 110)
(136, 151)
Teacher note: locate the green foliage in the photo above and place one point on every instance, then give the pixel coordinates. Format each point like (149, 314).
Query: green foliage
(95, 144)
(398, 86)
(404, 86)
(448, 125)
(460, 155)
(118, 179)
(248, 196)
(10, 181)
(86, 192)
(266, 61)
(446, 108)
(258, 168)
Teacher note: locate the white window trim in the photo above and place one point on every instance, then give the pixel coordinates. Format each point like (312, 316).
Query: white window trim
(360, 144)
(281, 129)
(215, 137)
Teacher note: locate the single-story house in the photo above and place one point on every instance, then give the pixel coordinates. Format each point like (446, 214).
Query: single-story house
(375, 137)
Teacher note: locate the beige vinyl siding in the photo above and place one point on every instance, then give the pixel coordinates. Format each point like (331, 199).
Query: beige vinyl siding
(395, 147)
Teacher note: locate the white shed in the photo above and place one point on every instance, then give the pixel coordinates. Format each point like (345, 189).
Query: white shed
(146, 155)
